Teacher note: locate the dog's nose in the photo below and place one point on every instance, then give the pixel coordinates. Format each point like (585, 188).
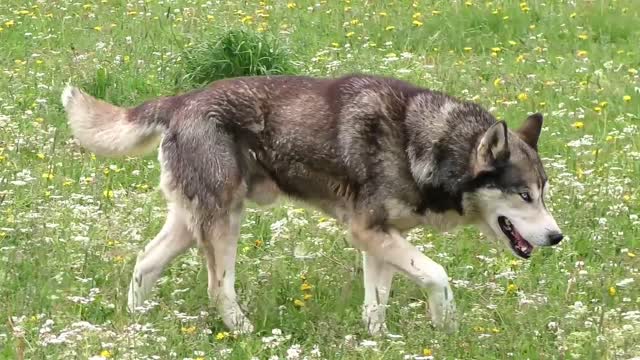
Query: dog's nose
(555, 238)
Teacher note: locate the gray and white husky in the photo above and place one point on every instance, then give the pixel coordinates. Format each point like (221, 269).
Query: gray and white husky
(380, 155)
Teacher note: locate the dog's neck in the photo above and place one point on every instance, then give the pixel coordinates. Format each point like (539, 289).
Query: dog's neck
(440, 146)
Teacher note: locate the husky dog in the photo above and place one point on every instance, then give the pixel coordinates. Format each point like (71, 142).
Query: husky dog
(380, 155)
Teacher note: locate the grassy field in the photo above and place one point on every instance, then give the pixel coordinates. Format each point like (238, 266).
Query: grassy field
(71, 224)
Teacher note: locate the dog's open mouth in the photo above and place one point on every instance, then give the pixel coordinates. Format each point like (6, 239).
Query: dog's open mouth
(519, 245)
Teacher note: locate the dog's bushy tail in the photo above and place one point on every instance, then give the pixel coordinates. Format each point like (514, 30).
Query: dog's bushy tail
(113, 131)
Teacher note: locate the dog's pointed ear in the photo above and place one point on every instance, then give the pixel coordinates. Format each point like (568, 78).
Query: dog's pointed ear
(530, 130)
(493, 148)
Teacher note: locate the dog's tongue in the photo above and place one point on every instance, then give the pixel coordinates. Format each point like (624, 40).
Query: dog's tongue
(522, 244)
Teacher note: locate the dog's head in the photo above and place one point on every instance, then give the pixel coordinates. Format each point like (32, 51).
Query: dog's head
(509, 185)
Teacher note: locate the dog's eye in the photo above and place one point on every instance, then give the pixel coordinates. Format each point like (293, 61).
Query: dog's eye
(525, 196)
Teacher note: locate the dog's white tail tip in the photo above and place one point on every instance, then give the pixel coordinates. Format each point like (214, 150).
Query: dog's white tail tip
(68, 94)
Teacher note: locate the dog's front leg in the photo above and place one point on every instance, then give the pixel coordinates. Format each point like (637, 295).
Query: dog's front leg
(390, 247)
(378, 277)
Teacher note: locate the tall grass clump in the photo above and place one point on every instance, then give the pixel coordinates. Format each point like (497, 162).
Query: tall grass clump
(234, 53)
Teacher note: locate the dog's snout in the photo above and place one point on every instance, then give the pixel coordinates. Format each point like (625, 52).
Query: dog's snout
(555, 238)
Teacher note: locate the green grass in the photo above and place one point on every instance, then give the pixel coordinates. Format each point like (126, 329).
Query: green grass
(70, 222)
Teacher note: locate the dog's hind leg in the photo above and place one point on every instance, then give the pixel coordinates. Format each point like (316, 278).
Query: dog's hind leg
(173, 240)
(389, 246)
(219, 241)
(378, 277)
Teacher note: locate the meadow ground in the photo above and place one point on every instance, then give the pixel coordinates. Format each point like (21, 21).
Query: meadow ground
(71, 224)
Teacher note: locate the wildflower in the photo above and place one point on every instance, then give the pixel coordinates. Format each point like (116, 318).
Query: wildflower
(190, 330)
(106, 354)
(631, 254)
(9, 23)
(427, 352)
(40, 156)
(626, 98)
(47, 176)
(573, 15)
(597, 109)
(417, 23)
(612, 291)
(578, 125)
(247, 20)
(467, 48)
(258, 242)
(305, 286)
(390, 28)
(108, 194)
(512, 43)
(97, 28)
(633, 72)
(335, 44)
(350, 34)
(417, 16)
(307, 297)
(582, 53)
(583, 36)
(512, 288)
(222, 335)
(497, 82)
(382, 13)
(523, 97)
(436, 12)
(298, 303)
(292, 5)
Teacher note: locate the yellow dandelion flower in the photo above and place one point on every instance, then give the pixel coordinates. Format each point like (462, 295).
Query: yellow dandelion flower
(417, 23)
(307, 297)
(468, 3)
(467, 48)
(520, 59)
(222, 335)
(382, 13)
(350, 34)
(626, 98)
(9, 23)
(97, 28)
(583, 36)
(612, 291)
(48, 176)
(87, 6)
(298, 303)
(597, 109)
(108, 194)
(335, 44)
(603, 104)
(512, 288)
(189, 330)
(292, 5)
(436, 12)
(106, 354)
(417, 16)
(427, 352)
(631, 255)
(497, 82)
(578, 125)
(247, 20)
(610, 139)
(40, 156)
(496, 49)
(573, 15)
(582, 53)
(306, 286)
(523, 97)
(390, 28)
(633, 72)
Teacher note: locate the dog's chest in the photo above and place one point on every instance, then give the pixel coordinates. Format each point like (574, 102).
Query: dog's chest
(404, 217)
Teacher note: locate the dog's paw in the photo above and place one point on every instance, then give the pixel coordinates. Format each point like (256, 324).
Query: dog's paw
(444, 318)
(373, 317)
(244, 328)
